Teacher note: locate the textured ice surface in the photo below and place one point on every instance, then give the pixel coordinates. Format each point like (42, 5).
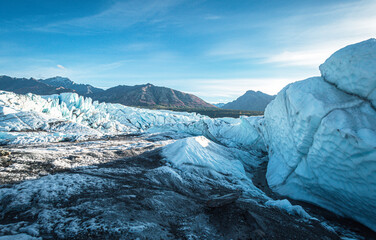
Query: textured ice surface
(123, 188)
(322, 136)
(71, 117)
(242, 132)
(30, 162)
(199, 154)
(21, 236)
(353, 69)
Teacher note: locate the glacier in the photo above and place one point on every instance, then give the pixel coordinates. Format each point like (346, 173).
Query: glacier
(319, 135)
(352, 69)
(136, 187)
(31, 119)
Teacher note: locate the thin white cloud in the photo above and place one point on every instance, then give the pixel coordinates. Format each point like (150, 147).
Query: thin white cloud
(119, 16)
(305, 38)
(299, 58)
(229, 89)
(60, 66)
(337, 27)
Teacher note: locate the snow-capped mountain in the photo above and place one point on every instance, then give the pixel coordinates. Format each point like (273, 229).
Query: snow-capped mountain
(82, 89)
(251, 100)
(150, 95)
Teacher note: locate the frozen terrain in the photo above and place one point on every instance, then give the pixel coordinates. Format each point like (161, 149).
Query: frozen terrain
(128, 187)
(74, 168)
(321, 135)
(31, 118)
(352, 70)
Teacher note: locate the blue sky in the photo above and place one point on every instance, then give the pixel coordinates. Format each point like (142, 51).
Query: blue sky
(214, 49)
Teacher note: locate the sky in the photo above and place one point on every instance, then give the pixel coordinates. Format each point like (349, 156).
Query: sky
(216, 50)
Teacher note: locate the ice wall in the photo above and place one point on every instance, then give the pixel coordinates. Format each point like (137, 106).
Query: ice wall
(321, 135)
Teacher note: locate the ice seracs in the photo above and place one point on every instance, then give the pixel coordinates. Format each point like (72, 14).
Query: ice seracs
(31, 118)
(321, 136)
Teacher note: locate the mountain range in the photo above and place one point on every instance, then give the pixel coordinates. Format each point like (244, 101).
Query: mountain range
(31, 85)
(150, 95)
(82, 89)
(146, 95)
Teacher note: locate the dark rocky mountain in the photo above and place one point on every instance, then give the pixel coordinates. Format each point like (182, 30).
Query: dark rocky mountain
(146, 95)
(82, 89)
(150, 95)
(24, 85)
(251, 101)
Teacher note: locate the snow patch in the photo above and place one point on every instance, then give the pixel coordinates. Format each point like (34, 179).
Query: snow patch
(285, 205)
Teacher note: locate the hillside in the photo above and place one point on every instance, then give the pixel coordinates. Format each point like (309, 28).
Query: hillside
(24, 85)
(82, 89)
(150, 95)
(146, 95)
(251, 101)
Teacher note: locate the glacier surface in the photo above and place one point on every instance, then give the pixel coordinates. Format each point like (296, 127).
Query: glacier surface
(199, 154)
(31, 119)
(353, 70)
(123, 188)
(321, 136)
(319, 133)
